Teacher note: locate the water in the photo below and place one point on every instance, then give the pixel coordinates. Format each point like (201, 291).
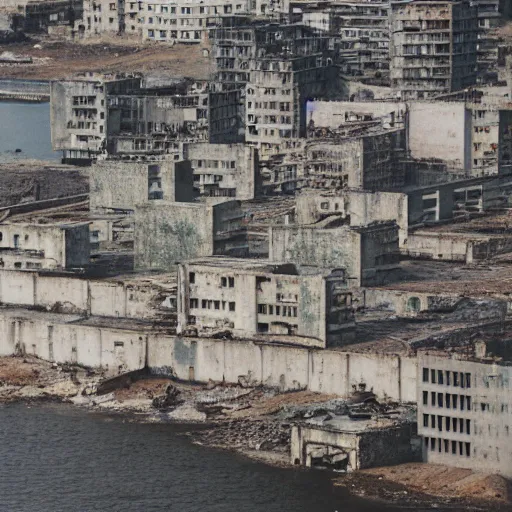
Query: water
(25, 126)
(56, 458)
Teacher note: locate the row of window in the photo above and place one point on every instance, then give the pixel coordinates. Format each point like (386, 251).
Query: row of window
(215, 164)
(173, 34)
(284, 106)
(269, 309)
(269, 119)
(446, 377)
(460, 425)
(447, 446)
(212, 304)
(447, 400)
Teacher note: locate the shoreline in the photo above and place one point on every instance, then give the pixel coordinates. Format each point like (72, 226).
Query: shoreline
(258, 431)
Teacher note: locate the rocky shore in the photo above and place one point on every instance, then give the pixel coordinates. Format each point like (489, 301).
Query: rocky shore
(252, 421)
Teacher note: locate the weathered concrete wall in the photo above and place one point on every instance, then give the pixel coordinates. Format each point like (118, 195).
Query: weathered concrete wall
(365, 253)
(166, 233)
(477, 434)
(124, 185)
(61, 338)
(78, 296)
(455, 246)
(440, 130)
(359, 206)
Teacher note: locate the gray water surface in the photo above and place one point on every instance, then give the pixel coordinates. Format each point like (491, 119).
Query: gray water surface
(54, 458)
(25, 126)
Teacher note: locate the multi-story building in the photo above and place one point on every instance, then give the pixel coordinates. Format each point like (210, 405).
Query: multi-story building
(489, 18)
(224, 170)
(30, 246)
(98, 116)
(101, 17)
(464, 409)
(164, 20)
(433, 47)
(363, 29)
(80, 114)
(283, 302)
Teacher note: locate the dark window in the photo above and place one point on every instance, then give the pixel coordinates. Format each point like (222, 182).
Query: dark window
(433, 444)
(462, 380)
(468, 426)
(231, 306)
(17, 264)
(433, 376)
(468, 376)
(204, 304)
(224, 282)
(425, 397)
(231, 282)
(433, 420)
(425, 374)
(262, 328)
(194, 303)
(454, 447)
(468, 449)
(216, 304)
(455, 378)
(448, 424)
(454, 401)
(447, 378)
(447, 400)
(468, 403)
(446, 446)
(432, 398)
(262, 309)
(440, 399)
(440, 423)
(425, 420)
(440, 376)
(192, 277)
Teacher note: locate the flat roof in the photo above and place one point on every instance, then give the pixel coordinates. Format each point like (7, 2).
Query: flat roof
(261, 266)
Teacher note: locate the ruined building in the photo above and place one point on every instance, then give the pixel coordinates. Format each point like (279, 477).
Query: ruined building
(363, 29)
(286, 303)
(464, 408)
(433, 47)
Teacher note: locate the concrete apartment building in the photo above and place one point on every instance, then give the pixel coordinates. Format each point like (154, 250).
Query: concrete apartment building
(356, 207)
(464, 409)
(101, 17)
(224, 170)
(283, 302)
(189, 21)
(55, 246)
(433, 47)
(98, 116)
(169, 232)
(363, 29)
(368, 253)
(80, 115)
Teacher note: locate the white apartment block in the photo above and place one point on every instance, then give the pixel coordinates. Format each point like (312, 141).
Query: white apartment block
(184, 21)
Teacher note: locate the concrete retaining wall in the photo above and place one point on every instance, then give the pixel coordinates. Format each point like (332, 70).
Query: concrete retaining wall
(61, 339)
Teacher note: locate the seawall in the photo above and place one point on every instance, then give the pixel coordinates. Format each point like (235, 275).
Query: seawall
(120, 346)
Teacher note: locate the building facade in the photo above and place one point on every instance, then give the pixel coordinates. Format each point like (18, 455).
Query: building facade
(433, 47)
(283, 302)
(464, 411)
